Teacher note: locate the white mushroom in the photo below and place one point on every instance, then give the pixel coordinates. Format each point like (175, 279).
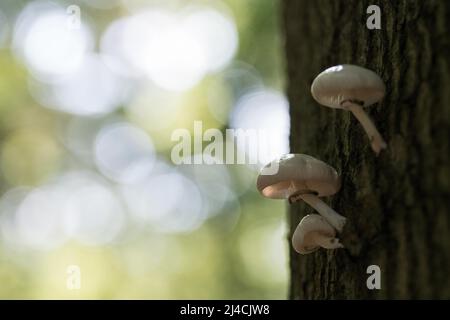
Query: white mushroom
(314, 232)
(350, 88)
(302, 177)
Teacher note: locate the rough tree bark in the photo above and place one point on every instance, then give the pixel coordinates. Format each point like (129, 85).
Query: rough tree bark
(397, 203)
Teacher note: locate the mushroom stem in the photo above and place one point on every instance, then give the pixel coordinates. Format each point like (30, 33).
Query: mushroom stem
(327, 242)
(376, 140)
(334, 218)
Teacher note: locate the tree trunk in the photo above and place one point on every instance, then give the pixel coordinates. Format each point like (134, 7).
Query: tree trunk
(397, 203)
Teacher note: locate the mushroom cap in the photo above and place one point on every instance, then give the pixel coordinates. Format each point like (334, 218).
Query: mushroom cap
(346, 82)
(303, 239)
(297, 174)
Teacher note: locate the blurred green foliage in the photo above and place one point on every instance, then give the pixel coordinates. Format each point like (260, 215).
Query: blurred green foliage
(245, 258)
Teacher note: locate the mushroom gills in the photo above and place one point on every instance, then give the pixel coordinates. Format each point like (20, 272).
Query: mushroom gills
(325, 241)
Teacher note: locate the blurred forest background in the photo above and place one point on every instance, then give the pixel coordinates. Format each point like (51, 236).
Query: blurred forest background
(86, 116)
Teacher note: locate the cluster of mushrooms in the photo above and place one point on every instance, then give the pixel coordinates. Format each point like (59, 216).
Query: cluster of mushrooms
(299, 177)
